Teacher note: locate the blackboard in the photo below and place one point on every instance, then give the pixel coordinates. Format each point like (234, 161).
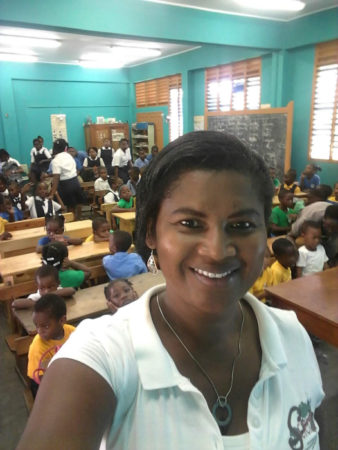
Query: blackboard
(268, 132)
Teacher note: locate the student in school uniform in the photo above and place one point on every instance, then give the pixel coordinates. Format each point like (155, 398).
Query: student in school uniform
(65, 180)
(113, 195)
(153, 153)
(122, 160)
(40, 159)
(282, 215)
(141, 162)
(106, 152)
(290, 184)
(134, 174)
(102, 183)
(334, 197)
(91, 164)
(40, 205)
(11, 167)
(309, 178)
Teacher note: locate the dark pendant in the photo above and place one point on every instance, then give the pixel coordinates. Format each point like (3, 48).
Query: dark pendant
(221, 405)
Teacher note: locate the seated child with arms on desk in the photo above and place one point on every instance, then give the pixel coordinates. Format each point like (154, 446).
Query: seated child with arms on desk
(312, 256)
(101, 230)
(120, 264)
(126, 202)
(286, 254)
(119, 293)
(71, 273)
(39, 204)
(264, 280)
(282, 215)
(55, 227)
(8, 212)
(48, 282)
(49, 317)
(113, 195)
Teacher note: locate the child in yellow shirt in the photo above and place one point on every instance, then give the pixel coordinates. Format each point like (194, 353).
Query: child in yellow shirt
(286, 255)
(264, 280)
(49, 317)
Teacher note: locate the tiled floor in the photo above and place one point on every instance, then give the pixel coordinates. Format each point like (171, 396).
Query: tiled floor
(13, 413)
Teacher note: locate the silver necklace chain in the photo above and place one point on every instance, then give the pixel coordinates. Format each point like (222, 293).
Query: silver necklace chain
(222, 400)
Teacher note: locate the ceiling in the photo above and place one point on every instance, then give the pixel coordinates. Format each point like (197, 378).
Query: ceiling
(79, 46)
(233, 7)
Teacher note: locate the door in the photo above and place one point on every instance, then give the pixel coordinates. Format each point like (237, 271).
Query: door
(157, 119)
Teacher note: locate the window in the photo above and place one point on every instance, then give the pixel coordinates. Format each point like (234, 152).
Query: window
(234, 87)
(324, 113)
(163, 91)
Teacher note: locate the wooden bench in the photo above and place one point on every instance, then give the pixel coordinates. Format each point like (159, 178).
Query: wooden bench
(107, 208)
(33, 223)
(25, 241)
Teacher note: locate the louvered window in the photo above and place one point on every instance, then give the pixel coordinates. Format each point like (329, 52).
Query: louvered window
(155, 92)
(234, 86)
(324, 114)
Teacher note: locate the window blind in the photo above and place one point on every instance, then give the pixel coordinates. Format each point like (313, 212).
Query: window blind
(323, 142)
(234, 86)
(156, 92)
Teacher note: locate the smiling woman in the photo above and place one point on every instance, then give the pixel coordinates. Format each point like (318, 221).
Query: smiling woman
(196, 363)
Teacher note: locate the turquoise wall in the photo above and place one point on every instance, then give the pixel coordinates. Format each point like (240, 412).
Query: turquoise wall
(30, 93)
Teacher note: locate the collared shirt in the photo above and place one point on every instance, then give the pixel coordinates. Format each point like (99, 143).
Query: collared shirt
(101, 185)
(310, 183)
(123, 265)
(30, 203)
(65, 166)
(43, 151)
(158, 408)
(121, 158)
(140, 163)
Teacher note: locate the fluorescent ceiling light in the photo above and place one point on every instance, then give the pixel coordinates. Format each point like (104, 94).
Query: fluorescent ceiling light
(19, 41)
(275, 5)
(17, 58)
(17, 50)
(100, 64)
(135, 52)
(29, 32)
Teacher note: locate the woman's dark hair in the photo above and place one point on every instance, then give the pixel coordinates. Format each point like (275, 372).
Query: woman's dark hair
(52, 304)
(59, 146)
(3, 152)
(199, 150)
(112, 283)
(57, 218)
(54, 253)
(94, 148)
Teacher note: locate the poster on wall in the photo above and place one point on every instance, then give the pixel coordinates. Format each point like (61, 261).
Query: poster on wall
(59, 126)
(198, 123)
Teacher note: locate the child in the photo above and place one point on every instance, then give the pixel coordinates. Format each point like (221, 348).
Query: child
(334, 197)
(102, 183)
(9, 212)
(122, 160)
(309, 178)
(113, 195)
(101, 230)
(290, 182)
(274, 179)
(4, 235)
(40, 159)
(134, 174)
(312, 257)
(126, 200)
(55, 229)
(71, 273)
(282, 215)
(49, 317)
(330, 238)
(153, 153)
(141, 162)
(74, 153)
(17, 194)
(11, 168)
(47, 280)
(3, 185)
(120, 264)
(264, 280)
(91, 165)
(106, 153)
(40, 205)
(119, 293)
(286, 254)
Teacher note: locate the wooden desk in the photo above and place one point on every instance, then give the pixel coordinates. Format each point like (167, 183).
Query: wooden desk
(33, 223)
(18, 266)
(127, 221)
(315, 301)
(25, 241)
(90, 302)
(106, 208)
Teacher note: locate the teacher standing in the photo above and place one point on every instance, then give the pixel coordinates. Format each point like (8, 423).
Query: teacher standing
(65, 179)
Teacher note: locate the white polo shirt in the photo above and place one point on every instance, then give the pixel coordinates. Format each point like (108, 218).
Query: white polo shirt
(121, 158)
(311, 261)
(158, 408)
(30, 203)
(64, 165)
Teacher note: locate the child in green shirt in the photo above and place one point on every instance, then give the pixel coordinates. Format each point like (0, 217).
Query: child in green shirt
(282, 215)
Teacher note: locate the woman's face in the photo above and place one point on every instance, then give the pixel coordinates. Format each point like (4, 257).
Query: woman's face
(210, 238)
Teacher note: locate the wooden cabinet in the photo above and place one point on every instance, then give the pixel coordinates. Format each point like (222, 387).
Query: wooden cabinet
(95, 134)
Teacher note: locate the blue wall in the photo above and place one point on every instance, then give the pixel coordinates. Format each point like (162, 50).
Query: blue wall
(30, 93)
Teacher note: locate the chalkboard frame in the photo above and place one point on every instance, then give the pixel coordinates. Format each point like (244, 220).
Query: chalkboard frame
(287, 110)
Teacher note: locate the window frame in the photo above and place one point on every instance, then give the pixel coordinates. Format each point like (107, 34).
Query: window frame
(321, 52)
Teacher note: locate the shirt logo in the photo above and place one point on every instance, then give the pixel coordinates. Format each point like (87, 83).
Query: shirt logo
(302, 427)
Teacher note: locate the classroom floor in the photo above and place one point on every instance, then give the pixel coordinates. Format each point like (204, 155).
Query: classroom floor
(13, 412)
